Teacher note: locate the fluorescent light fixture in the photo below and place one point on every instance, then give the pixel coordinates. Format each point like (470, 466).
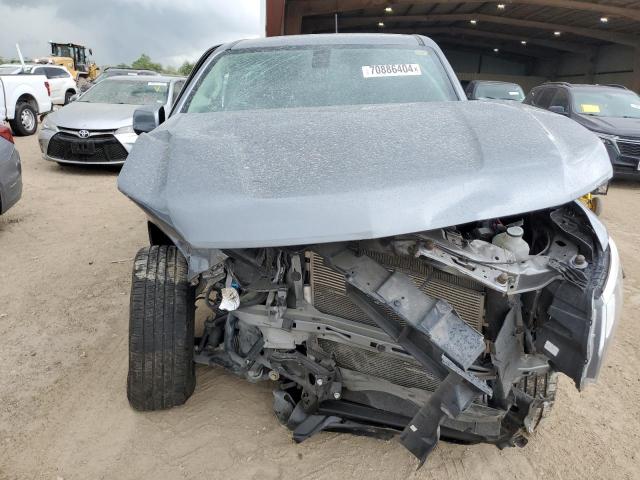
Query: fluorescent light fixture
(388, 10)
(604, 19)
(473, 22)
(381, 24)
(501, 6)
(557, 34)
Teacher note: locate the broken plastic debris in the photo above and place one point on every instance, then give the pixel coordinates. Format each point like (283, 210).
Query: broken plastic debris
(551, 348)
(230, 299)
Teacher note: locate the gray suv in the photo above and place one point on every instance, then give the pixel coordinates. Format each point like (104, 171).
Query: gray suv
(363, 237)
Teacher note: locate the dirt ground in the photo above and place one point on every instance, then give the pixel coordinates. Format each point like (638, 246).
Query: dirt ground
(65, 261)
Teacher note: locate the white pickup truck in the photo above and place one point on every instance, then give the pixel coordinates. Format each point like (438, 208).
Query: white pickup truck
(22, 99)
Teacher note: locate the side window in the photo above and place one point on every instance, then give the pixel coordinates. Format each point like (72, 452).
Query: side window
(38, 71)
(468, 90)
(177, 88)
(62, 73)
(532, 96)
(51, 72)
(561, 99)
(543, 99)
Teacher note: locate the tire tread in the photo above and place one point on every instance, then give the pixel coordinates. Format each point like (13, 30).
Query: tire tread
(161, 323)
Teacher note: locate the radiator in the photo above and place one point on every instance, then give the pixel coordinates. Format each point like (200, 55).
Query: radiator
(329, 294)
(407, 373)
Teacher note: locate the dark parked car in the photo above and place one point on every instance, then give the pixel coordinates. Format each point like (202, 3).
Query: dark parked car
(369, 241)
(610, 111)
(10, 171)
(494, 90)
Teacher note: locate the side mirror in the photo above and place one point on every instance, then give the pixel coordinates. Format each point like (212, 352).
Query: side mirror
(147, 118)
(560, 110)
(73, 97)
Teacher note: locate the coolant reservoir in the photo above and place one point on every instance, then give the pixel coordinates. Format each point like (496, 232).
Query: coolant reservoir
(512, 240)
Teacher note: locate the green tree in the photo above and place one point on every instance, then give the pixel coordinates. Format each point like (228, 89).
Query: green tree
(185, 68)
(144, 63)
(170, 70)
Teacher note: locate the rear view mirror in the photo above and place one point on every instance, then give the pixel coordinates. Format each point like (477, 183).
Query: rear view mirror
(558, 109)
(147, 118)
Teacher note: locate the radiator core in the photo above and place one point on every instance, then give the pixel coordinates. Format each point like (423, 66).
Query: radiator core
(407, 373)
(466, 296)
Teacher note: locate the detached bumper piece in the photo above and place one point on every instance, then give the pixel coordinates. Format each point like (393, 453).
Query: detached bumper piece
(434, 334)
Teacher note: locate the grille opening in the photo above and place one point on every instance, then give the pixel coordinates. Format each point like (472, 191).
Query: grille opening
(630, 149)
(102, 148)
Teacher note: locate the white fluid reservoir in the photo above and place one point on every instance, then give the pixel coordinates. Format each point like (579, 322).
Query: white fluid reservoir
(512, 240)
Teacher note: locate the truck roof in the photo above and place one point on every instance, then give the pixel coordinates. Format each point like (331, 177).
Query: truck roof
(336, 39)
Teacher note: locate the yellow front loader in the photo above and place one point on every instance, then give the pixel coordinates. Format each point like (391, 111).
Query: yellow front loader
(74, 58)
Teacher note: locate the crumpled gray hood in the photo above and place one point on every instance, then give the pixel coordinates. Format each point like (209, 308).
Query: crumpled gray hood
(315, 175)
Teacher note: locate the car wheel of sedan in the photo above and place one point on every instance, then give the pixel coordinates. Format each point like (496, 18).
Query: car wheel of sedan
(25, 121)
(161, 336)
(67, 97)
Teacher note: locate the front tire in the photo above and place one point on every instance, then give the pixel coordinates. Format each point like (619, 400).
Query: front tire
(161, 336)
(67, 97)
(26, 120)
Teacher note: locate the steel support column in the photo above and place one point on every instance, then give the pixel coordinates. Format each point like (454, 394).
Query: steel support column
(635, 82)
(275, 17)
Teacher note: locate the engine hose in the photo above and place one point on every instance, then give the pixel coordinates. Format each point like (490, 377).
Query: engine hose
(229, 335)
(259, 299)
(218, 330)
(213, 332)
(207, 298)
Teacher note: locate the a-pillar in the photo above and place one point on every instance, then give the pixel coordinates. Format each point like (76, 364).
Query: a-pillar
(635, 82)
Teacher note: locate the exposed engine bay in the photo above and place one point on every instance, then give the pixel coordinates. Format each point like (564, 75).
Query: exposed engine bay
(457, 332)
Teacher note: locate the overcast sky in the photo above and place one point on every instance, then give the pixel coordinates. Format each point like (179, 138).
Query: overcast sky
(169, 31)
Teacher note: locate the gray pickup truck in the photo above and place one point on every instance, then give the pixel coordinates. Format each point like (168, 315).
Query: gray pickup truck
(394, 258)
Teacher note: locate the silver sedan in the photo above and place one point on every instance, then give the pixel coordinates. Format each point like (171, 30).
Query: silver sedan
(10, 171)
(97, 128)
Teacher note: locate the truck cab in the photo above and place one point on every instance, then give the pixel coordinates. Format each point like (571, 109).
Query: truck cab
(22, 98)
